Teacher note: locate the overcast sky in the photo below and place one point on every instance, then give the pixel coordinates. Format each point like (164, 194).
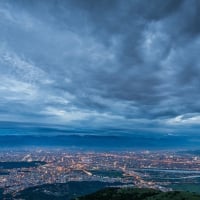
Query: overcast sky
(123, 63)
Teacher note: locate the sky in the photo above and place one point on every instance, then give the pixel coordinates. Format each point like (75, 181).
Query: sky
(132, 63)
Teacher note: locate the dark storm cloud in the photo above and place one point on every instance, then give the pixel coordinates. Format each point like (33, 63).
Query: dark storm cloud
(100, 61)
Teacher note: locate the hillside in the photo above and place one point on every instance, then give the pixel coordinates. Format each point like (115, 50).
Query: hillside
(60, 191)
(138, 194)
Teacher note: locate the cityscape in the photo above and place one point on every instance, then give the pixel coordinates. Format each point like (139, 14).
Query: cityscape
(158, 170)
(99, 100)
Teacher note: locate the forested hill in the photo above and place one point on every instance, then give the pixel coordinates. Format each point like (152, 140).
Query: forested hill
(138, 194)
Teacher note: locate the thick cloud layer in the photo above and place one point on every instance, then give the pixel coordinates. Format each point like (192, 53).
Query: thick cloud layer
(125, 63)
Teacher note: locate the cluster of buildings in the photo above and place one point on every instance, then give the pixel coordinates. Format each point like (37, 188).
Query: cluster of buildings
(60, 166)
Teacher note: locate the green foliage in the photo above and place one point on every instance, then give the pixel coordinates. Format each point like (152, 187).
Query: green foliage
(138, 194)
(190, 187)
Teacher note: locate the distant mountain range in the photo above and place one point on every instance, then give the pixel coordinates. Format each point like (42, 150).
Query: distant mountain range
(98, 142)
(19, 135)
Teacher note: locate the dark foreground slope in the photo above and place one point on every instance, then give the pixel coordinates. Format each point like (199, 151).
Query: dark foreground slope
(138, 194)
(60, 191)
